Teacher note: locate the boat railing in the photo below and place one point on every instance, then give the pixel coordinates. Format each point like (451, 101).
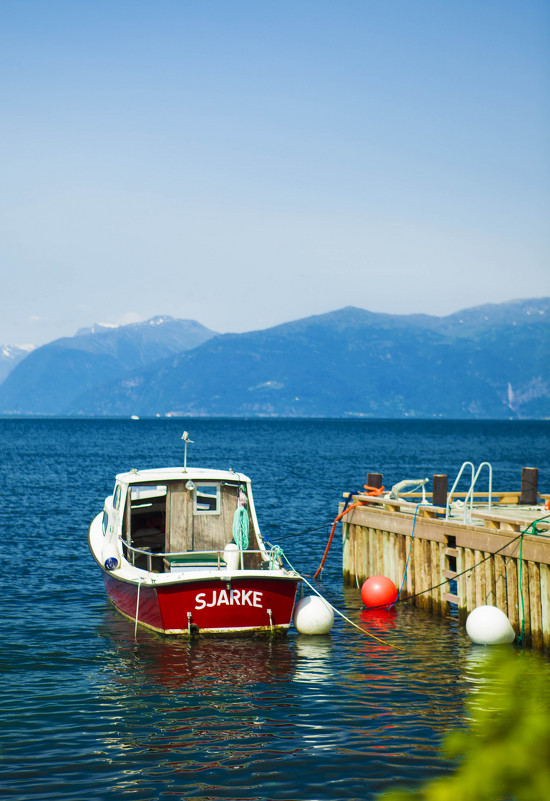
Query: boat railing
(180, 560)
(469, 498)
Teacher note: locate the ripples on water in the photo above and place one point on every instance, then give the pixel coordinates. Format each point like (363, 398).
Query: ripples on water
(88, 712)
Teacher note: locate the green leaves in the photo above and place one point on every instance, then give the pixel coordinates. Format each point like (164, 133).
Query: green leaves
(505, 751)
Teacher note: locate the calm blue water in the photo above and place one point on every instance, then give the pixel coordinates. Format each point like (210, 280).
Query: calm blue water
(88, 713)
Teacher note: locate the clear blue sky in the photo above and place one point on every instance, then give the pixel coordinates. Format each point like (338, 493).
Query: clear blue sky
(245, 163)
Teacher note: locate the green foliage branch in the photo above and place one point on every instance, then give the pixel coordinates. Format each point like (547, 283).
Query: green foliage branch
(504, 752)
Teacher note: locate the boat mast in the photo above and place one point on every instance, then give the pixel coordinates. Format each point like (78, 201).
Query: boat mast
(187, 442)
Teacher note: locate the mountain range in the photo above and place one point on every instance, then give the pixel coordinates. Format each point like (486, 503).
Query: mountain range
(52, 377)
(490, 361)
(10, 356)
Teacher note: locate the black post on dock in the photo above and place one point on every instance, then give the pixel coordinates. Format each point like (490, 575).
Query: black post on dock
(529, 484)
(374, 480)
(439, 496)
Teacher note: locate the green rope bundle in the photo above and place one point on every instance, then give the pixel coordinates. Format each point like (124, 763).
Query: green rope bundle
(240, 527)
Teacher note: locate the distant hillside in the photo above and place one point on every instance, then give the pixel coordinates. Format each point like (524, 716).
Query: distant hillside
(488, 362)
(52, 376)
(10, 356)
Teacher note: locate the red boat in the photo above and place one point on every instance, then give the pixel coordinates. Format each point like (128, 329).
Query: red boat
(181, 553)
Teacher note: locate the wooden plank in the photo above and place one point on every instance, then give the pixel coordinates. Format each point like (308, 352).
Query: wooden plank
(450, 598)
(426, 511)
(361, 546)
(391, 556)
(346, 553)
(375, 553)
(179, 513)
(424, 601)
(544, 571)
(399, 522)
(427, 575)
(471, 536)
(450, 574)
(470, 580)
(495, 495)
(353, 555)
(508, 497)
(395, 558)
(358, 554)
(479, 574)
(371, 555)
(367, 539)
(535, 549)
(499, 521)
(461, 586)
(410, 585)
(389, 562)
(512, 593)
(490, 583)
(525, 598)
(435, 577)
(364, 553)
(500, 583)
(401, 557)
(383, 555)
(535, 616)
(441, 562)
(417, 567)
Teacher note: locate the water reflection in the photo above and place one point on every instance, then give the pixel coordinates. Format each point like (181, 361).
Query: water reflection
(256, 718)
(206, 711)
(180, 664)
(313, 659)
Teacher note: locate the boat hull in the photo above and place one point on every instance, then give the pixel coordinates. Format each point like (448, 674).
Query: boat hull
(236, 605)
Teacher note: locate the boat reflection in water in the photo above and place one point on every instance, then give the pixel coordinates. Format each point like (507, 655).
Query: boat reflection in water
(174, 663)
(252, 717)
(213, 714)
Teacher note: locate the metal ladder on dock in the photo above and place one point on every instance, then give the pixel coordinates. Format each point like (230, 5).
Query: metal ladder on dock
(468, 507)
(450, 549)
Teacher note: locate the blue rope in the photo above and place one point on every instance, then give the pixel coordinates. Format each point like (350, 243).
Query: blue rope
(348, 499)
(409, 556)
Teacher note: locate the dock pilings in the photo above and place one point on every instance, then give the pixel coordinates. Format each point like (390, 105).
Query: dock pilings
(450, 564)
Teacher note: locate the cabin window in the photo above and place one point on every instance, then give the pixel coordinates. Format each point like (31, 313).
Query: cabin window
(207, 499)
(105, 523)
(116, 497)
(146, 494)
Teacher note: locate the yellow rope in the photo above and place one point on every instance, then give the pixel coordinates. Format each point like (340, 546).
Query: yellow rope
(368, 633)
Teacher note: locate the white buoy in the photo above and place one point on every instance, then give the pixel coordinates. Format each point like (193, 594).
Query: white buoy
(231, 556)
(312, 615)
(488, 625)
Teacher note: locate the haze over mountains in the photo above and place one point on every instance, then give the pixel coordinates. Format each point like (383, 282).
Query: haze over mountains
(491, 361)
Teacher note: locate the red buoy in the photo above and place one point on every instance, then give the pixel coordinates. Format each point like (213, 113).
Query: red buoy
(378, 591)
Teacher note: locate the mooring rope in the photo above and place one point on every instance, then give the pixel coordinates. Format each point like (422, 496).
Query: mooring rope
(520, 578)
(531, 526)
(334, 609)
(409, 554)
(137, 609)
(477, 564)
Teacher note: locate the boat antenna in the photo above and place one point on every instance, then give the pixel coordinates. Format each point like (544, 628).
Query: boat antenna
(187, 442)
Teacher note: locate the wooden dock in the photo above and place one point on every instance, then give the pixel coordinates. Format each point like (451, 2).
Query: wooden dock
(495, 556)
